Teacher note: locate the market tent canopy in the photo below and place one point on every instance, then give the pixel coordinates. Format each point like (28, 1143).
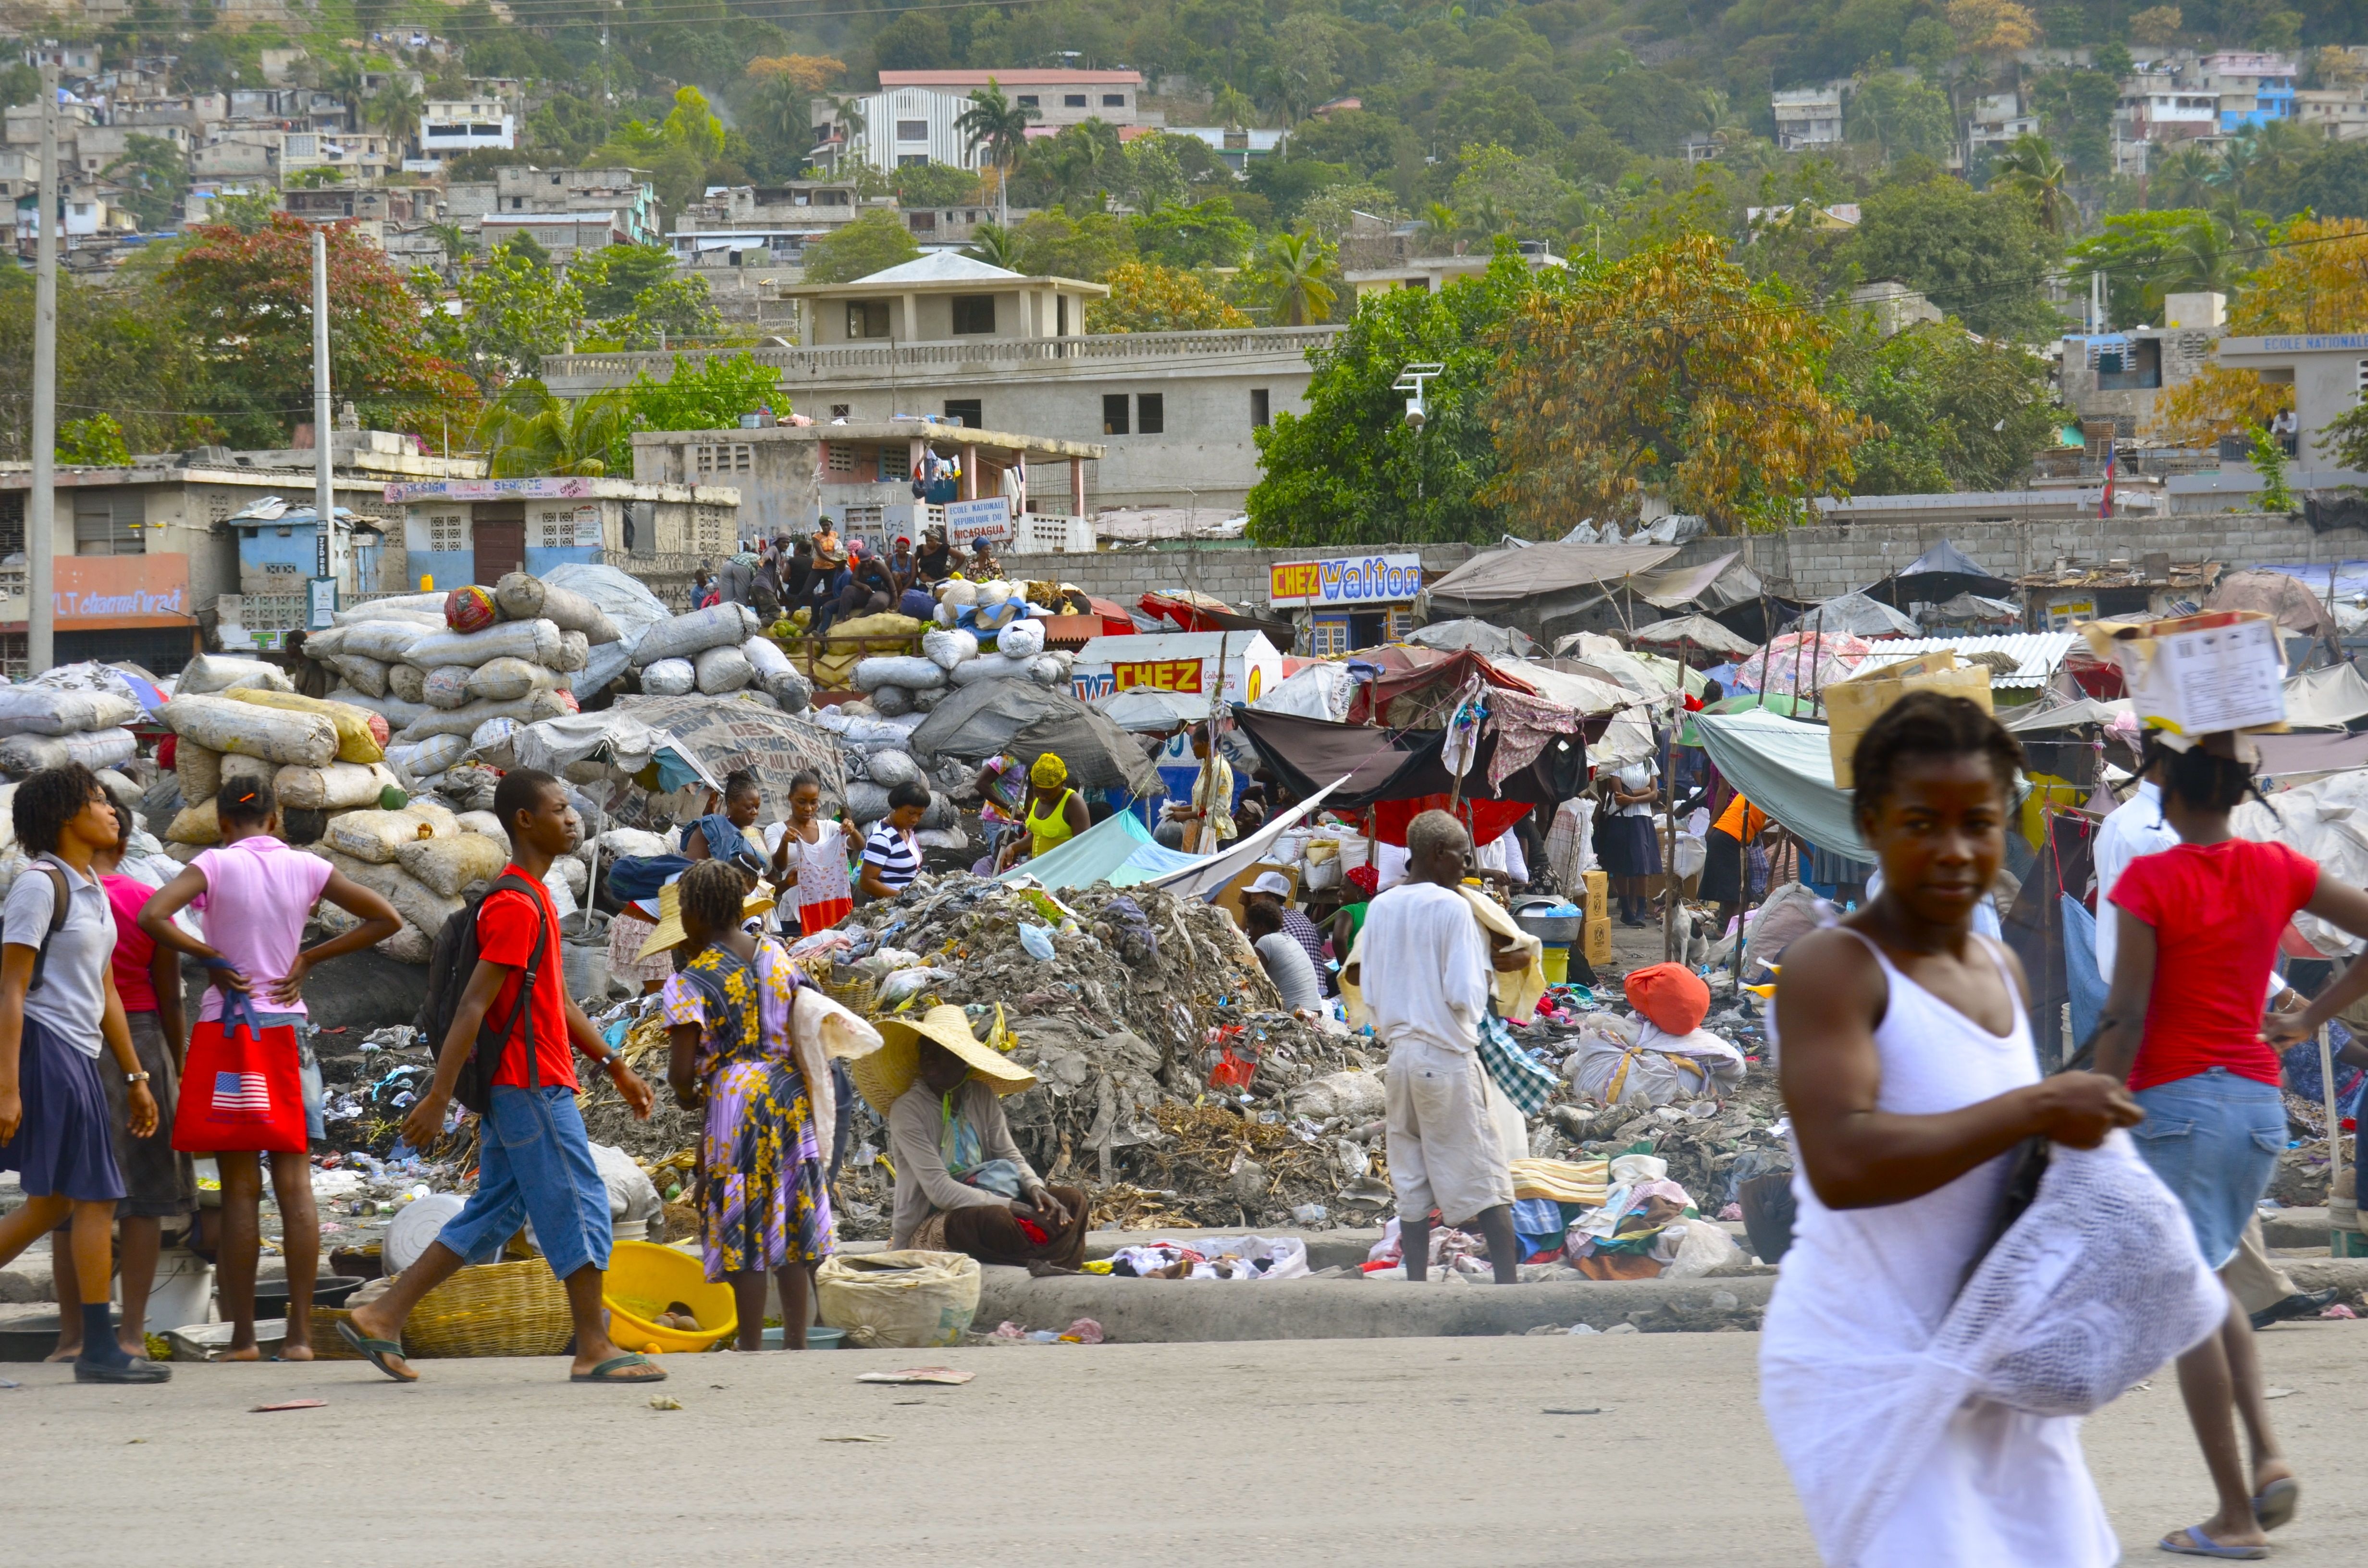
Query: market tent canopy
(1939, 573)
(1363, 764)
(1693, 630)
(1414, 688)
(1117, 849)
(1510, 575)
(1190, 611)
(1857, 615)
(1209, 875)
(2326, 698)
(1496, 642)
(1977, 609)
(2312, 751)
(1098, 754)
(1719, 584)
(1579, 692)
(1146, 709)
(2065, 716)
(2288, 599)
(1783, 767)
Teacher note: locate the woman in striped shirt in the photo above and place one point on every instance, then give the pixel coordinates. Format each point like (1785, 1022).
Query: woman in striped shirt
(891, 857)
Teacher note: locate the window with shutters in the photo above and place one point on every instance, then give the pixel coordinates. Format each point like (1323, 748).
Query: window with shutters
(108, 524)
(839, 458)
(1327, 636)
(556, 530)
(856, 519)
(895, 465)
(729, 456)
(448, 531)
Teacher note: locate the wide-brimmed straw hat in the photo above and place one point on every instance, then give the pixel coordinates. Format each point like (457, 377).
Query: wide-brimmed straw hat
(668, 933)
(884, 1077)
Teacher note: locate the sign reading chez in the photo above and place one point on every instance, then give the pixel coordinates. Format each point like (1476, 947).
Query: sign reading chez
(1351, 580)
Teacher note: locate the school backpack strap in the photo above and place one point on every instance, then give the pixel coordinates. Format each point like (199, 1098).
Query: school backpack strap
(523, 1007)
(61, 895)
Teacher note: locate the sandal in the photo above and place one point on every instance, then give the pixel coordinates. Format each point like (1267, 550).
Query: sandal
(2198, 1544)
(2275, 1505)
(606, 1372)
(378, 1352)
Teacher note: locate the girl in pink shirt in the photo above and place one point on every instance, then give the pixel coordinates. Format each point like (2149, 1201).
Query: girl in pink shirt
(258, 893)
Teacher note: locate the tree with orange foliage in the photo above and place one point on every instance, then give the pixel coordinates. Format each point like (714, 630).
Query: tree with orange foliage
(811, 74)
(245, 303)
(2314, 278)
(1671, 370)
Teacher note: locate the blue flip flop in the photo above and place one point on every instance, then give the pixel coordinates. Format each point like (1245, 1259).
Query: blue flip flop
(2275, 1505)
(2201, 1545)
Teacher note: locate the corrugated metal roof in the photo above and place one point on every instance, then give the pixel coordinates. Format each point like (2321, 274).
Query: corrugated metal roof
(2036, 653)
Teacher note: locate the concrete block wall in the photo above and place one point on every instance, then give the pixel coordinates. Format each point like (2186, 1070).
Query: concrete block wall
(1817, 563)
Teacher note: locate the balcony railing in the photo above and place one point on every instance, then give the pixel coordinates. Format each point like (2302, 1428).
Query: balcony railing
(853, 358)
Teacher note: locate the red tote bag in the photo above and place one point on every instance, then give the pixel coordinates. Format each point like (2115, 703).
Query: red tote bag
(240, 1088)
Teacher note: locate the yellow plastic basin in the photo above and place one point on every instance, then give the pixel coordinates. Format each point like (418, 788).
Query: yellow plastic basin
(643, 1279)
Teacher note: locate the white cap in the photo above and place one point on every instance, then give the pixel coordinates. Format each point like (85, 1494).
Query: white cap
(1274, 882)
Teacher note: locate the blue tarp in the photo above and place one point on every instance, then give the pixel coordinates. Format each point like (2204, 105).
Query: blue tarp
(1783, 767)
(1118, 850)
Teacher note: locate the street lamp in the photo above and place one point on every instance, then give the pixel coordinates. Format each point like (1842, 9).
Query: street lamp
(1410, 381)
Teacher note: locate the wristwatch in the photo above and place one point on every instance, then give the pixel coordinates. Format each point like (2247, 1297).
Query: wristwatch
(135, 1077)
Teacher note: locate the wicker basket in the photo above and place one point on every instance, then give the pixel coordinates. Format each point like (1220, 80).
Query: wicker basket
(495, 1309)
(856, 993)
(328, 1344)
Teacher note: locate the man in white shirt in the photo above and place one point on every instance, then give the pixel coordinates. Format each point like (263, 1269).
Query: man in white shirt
(1424, 965)
(2136, 827)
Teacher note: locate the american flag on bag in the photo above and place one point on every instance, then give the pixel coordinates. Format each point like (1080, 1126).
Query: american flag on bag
(245, 1095)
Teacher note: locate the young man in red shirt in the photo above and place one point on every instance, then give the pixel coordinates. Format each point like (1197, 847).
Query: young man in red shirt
(534, 1158)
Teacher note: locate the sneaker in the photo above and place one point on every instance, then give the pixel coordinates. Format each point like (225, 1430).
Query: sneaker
(2301, 1304)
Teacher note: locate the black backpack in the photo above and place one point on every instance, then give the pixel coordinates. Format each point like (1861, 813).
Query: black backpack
(60, 895)
(449, 965)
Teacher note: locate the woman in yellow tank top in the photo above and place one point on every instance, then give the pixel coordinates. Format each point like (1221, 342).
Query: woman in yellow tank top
(1056, 814)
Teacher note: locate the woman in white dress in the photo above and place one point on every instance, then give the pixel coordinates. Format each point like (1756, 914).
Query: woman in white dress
(1908, 1069)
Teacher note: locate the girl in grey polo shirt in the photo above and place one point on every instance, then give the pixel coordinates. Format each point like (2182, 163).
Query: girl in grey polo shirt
(54, 1124)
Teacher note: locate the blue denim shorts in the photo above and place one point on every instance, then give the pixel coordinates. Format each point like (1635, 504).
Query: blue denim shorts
(534, 1161)
(2214, 1140)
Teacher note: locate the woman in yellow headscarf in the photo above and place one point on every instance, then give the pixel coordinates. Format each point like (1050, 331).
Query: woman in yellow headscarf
(1056, 814)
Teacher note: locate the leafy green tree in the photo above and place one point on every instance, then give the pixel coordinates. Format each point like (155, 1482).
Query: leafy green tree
(672, 310)
(2145, 256)
(1373, 145)
(1288, 183)
(1956, 412)
(2077, 108)
(1204, 234)
(934, 184)
(1351, 471)
(873, 243)
(2029, 169)
(1332, 213)
(95, 442)
(609, 279)
(1523, 196)
(151, 175)
(1053, 244)
(1980, 257)
(708, 394)
(2333, 181)
(1901, 115)
(513, 312)
(2183, 178)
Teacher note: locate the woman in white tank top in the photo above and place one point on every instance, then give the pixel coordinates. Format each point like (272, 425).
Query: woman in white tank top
(1908, 1072)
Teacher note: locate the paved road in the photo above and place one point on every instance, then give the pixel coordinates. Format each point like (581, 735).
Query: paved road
(1415, 1451)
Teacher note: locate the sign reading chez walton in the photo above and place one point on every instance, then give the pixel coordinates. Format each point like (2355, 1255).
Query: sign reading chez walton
(1351, 580)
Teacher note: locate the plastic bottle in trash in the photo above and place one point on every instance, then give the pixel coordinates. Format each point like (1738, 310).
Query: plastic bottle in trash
(1310, 1214)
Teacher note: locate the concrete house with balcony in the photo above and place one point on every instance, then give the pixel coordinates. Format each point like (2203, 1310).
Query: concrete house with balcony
(956, 339)
(915, 115)
(2120, 376)
(1810, 117)
(449, 127)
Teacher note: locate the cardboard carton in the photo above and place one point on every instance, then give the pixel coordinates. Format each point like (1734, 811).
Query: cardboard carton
(2199, 675)
(1852, 704)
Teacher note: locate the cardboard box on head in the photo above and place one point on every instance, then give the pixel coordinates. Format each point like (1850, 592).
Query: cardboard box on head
(1853, 704)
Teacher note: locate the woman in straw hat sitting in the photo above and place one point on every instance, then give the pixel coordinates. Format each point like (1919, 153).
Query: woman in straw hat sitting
(763, 1202)
(962, 1184)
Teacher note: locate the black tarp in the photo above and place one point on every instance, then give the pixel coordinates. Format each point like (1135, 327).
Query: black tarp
(1305, 755)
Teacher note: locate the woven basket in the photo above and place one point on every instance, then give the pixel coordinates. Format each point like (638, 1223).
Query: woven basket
(855, 995)
(328, 1344)
(493, 1308)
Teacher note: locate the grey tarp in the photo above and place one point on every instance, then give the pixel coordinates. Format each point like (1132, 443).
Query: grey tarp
(1496, 642)
(712, 734)
(1699, 631)
(1715, 584)
(978, 720)
(2065, 716)
(1859, 616)
(1509, 575)
(2326, 698)
(1098, 754)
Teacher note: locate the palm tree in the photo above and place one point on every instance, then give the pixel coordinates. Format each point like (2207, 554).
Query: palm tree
(529, 433)
(344, 77)
(394, 112)
(2031, 169)
(2202, 260)
(1233, 107)
(2185, 177)
(1000, 127)
(996, 246)
(455, 241)
(1438, 227)
(1298, 274)
(848, 113)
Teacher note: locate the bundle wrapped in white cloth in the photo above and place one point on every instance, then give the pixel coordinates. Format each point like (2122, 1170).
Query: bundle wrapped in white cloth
(2094, 1287)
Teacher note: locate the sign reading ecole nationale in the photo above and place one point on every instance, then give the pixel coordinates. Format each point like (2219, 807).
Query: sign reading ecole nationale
(989, 520)
(1352, 580)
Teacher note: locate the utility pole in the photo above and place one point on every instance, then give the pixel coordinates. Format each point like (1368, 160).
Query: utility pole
(324, 502)
(42, 501)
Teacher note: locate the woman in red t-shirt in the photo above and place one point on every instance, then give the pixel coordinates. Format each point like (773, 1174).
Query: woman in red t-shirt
(2199, 928)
